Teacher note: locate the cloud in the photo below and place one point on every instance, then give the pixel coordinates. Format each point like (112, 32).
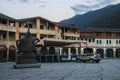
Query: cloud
(27, 1)
(24, 1)
(39, 3)
(9, 0)
(54, 10)
(91, 5)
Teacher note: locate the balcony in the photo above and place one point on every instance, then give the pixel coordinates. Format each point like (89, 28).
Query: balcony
(87, 37)
(5, 42)
(5, 28)
(51, 32)
(24, 30)
(72, 34)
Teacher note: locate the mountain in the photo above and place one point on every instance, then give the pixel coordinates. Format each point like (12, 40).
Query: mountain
(106, 17)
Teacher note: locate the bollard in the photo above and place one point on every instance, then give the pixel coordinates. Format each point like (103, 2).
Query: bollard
(45, 58)
(58, 58)
(52, 57)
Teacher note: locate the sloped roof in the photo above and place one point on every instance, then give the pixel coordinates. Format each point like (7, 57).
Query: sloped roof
(67, 25)
(31, 18)
(58, 42)
(100, 29)
(6, 17)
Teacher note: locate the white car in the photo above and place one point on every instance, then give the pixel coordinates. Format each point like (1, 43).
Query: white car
(89, 57)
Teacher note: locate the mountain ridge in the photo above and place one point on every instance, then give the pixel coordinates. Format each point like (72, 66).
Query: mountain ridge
(96, 18)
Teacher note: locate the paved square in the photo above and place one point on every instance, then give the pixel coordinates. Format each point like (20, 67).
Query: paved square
(107, 69)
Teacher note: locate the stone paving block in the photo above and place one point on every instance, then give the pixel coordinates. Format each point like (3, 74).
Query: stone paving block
(107, 69)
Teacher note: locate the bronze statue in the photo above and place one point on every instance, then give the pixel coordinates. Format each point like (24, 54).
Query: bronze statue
(26, 49)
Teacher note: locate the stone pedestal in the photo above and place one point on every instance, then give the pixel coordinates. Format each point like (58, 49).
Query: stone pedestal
(27, 60)
(19, 66)
(25, 57)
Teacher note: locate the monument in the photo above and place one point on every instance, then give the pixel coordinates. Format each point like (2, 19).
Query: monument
(25, 54)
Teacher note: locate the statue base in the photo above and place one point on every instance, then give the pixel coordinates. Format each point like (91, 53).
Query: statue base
(19, 66)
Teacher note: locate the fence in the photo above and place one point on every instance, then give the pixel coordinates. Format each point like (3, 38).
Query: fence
(57, 58)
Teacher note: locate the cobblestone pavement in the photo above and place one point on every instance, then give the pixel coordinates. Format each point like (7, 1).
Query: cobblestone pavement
(107, 69)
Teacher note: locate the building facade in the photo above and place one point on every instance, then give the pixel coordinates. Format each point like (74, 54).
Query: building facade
(105, 41)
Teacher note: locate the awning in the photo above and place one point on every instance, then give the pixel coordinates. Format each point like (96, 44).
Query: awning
(58, 42)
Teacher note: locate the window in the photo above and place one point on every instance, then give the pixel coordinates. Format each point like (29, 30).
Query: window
(98, 33)
(4, 36)
(65, 29)
(86, 39)
(110, 41)
(30, 26)
(118, 34)
(93, 40)
(89, 40)
(97, 41)
(82, 39)
(108, 34)
(50, 36)
(107, 41)
(74, 38)
(100, 41)
(41, 26)
(75, 31)
(116, 41)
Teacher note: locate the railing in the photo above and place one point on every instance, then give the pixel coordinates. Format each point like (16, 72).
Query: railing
(51, 32)
(5, 42)
(7, 28)
(57, 58)
(24, 30)
(72, 34)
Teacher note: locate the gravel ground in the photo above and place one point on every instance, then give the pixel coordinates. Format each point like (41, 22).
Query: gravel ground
(107, 69)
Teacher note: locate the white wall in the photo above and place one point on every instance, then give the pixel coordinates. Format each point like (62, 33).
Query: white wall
(104, 42)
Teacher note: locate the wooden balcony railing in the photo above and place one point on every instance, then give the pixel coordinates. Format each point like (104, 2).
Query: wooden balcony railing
(50, 32)
(7, 28)
(24, 30)
(6, 42)
(72, 34)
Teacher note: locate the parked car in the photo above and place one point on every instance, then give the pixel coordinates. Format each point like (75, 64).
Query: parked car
(89, 57)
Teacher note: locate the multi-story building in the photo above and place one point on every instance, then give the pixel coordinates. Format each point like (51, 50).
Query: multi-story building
(65, 39)
(105, 41)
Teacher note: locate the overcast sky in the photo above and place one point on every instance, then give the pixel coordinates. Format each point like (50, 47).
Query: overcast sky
(53, 10)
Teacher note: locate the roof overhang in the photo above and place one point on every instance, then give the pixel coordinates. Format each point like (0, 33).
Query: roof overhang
(59, 42)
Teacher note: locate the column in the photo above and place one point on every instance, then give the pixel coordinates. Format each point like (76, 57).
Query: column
(114, 52)
(60, 51)
(104, 53)
(76, 51)
(38, 28)
(56, 31)
(94, 50)
(69, 53)
(82, 51)
(17, 30)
